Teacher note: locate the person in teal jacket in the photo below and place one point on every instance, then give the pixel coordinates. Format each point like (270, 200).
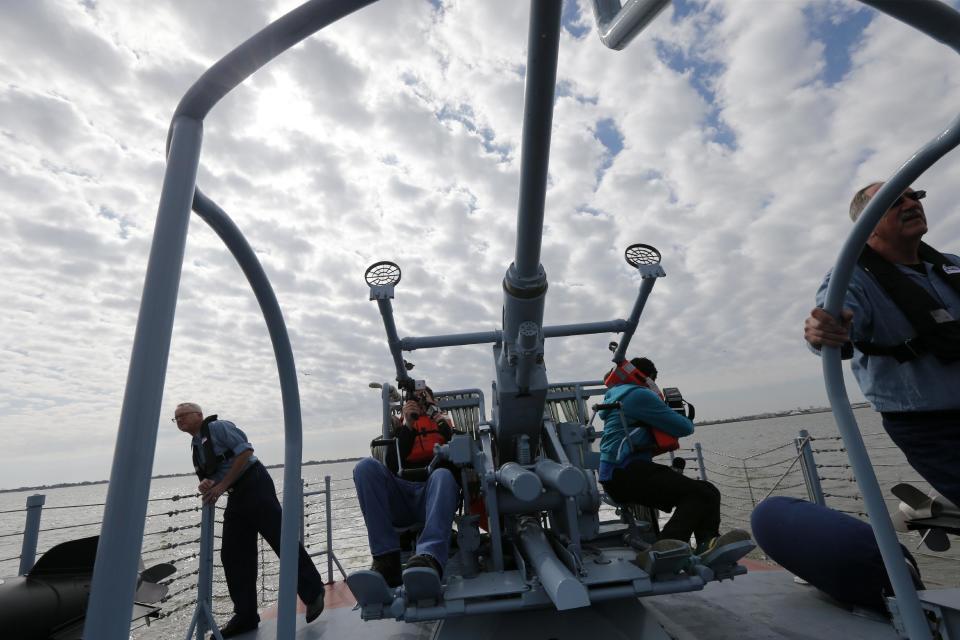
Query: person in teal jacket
(629, 474)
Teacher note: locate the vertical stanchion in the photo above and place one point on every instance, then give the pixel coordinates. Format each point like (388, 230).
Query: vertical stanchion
(31, 532)
(582, 414)
(701, 469)
(809, 467)
(263, 571)
(203, 615)
(303, 512)
(326, 486)
(746, 475)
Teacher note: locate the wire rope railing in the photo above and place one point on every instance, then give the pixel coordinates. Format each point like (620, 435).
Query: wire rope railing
(744, 480)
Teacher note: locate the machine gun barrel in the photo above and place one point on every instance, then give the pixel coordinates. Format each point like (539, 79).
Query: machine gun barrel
(565, 478)
(523, 484)
(563, 588)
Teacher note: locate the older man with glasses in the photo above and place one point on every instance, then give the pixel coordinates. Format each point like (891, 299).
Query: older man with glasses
(224, 461)
(901, 326)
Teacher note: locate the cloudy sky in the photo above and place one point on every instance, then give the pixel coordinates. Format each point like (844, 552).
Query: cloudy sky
(730, 135)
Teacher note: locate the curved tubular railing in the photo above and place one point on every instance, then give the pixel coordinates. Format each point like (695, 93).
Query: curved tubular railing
(233, 238)
(618, 23)
(943, 23)
(115, 572)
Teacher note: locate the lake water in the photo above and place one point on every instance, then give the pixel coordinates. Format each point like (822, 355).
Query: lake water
(746, 460)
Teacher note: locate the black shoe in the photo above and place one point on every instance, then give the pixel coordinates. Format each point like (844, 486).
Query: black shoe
(238, 625)
(425, 560)
(388, 565)
(315, 608)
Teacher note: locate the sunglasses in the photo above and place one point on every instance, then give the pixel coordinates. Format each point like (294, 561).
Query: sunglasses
(913, 195)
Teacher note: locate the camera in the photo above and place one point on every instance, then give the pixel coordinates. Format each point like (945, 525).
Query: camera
(674, 400)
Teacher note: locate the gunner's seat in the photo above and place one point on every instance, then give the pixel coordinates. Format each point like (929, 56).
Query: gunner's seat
(643, 525)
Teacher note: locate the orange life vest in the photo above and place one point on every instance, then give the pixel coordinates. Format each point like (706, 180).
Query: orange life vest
(427, 434)
(626, 373)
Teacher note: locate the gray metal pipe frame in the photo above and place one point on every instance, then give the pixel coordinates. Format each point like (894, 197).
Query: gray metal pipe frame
(31, 532)
(496, 336)
(118, 554)
(579, 383)
(942, 23)
(701, 469)
(387, 427)
(451, 340)
(329, 523)
(646, 286)
(232, 237)
(814, 488)
(543, 43)
(618, 25)
(393, 338)
(121, 534)
(202, 620)
(564, 589)
(584, 328)
(463, 392)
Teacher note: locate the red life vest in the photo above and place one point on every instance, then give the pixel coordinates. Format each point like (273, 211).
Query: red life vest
(626, 373)
(427, 434)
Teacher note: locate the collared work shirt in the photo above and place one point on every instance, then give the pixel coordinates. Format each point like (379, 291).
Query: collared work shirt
(226, 436)
(923, 384)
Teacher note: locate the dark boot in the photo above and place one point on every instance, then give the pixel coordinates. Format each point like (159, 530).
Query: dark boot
(238, 625)
(315, 608)
(388, 565)
(425, 560)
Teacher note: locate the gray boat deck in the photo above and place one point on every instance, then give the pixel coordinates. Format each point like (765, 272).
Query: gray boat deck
(762, 605)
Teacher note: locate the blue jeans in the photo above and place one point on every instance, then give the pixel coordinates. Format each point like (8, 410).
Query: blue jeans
(388, 501)
(931, 442)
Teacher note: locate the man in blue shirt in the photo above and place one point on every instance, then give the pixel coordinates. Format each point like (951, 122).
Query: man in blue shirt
(224, 462)
(629, 474)
(900, 326)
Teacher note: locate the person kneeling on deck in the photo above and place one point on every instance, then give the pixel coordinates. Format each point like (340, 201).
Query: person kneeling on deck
(629, 474)
(224, 462)
(419, 494)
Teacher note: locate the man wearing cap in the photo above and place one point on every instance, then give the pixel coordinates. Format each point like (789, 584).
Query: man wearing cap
(224, 462)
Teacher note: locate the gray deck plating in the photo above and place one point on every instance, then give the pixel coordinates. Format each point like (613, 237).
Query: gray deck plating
(762, 605)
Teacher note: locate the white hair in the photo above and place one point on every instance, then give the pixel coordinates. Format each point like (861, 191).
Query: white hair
(192, 406)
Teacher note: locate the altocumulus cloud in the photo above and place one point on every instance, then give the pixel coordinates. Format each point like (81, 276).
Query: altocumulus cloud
(728, 137)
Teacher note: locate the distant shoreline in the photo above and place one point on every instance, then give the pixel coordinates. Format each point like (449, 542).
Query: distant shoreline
(168, 475)
(704, 423)
(778, 414)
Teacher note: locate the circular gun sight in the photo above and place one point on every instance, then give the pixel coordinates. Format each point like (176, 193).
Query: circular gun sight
(638, 255)
(383, 273)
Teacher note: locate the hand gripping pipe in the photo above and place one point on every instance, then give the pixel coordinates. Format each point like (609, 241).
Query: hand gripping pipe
(115, 572)
(942, 23)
